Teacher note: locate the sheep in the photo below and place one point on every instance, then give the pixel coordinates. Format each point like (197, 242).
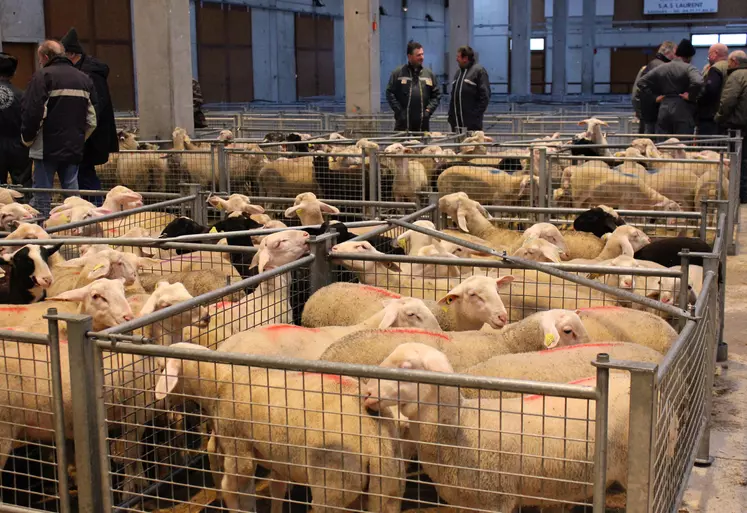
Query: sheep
(625, 240)
(413, 241)
(666, 251)
(490, 186)
(309, 209)
(28, 277)
(707, 187)
(108, 263)
(144, 170)
(76, 214)
(531, 452)
(592, 136)
(676, 183)
(117, 199)
(32, 231)
(9, 196)
(410, 177)
(623, 281)
(241, 428)
(539, 250)
(235, 203)
(598, 220)
(197, 282)
(13, 213)
(539, 331)
(628, 325)
(287, 177)
(444, 249)
(310, 343)
(558, 365)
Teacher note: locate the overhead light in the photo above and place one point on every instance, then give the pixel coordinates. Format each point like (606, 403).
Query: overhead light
(428, 17)
(382, 11)
(404, 5)
(318, 3)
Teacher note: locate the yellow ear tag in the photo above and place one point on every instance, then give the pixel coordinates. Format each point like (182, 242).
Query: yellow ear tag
(213, 230)
(549, 339)
(402, 244)
(97, 267)
(299, 211)
(219, 206)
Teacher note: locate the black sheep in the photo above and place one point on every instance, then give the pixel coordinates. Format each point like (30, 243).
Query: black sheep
(27, 275)
(666, 251)
(597, 221)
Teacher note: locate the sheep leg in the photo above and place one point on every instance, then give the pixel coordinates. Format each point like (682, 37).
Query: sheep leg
(278, 489)
(386, 484)
(238, 484)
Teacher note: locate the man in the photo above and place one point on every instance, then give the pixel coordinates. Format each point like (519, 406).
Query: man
(676, 86)
(470, 93)
(732, 110)
(104, 139)
(199, 116)
(715, 77)
(14, 156)
(413, 92)
(646, 107)
(58, 116)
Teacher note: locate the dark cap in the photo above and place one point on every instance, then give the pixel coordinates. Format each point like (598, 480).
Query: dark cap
(71, 43)
(685, 49)
(8, 65)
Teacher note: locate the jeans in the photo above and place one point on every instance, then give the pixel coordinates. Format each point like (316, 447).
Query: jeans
(89, 180)
(44, 179)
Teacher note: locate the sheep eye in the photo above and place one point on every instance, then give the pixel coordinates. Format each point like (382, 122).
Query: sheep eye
(567, 331)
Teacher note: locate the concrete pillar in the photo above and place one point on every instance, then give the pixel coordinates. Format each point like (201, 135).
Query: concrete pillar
(559, 47)
(193, 36)
(588, 42)
(265, 54)
(461, 21)
(521, 58)
(164, 67)
(362, 67)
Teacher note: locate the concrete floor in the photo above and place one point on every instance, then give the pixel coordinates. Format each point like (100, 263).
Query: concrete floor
(722, 487)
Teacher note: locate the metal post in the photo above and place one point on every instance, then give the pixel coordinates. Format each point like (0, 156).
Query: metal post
(374, 181)
(703, 220)
(684, 284)
(63, 487)
(224, 184)
(703, 458)
(643, 405)
(199, 213)
(320, 272)
(89, 424)
(544, 180)
(600, 434)
(436, 216)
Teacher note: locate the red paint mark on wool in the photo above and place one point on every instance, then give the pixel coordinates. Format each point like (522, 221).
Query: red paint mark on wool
(576, 382)
(281, 327)
(13, 309)
(579, 346)
(416, 331)
(342, 380)
(383, 292)
(222, 305)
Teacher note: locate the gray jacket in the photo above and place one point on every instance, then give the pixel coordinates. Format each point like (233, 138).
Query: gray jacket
(672, 79)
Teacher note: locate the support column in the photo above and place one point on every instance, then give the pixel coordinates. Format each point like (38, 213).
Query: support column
(362, 67)
(461, 21)
(559, 47)
(588, 43)
(163, 60)
(521, 58)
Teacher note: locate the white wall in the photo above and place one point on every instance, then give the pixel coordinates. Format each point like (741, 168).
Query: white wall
(491, 43)
(22, 21)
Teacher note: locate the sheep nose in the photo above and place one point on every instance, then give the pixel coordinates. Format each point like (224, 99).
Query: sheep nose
(127, 317)
(503, 317)
(627, 284)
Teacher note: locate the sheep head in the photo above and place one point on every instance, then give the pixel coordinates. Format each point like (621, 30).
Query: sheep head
(458, 206)
(562, 328)
(408, 312)
(103, 299)
(281, 248)
(539, 250)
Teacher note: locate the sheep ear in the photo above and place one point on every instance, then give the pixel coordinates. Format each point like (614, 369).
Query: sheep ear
(293, 211)
(71, 295)
(15, 194)
(100, 270)
(390, 317)
(550, 332)
(260, 259)
(504, 280)
(393, 266)
(169, 378)
(462, 220)
(328, 208)
(551, 252)
(150, 305)
(626, 246)
(253, 209)
(449, 298)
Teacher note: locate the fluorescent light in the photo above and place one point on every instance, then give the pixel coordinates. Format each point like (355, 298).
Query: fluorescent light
(733, 39)
(537, 43)
(704, 39)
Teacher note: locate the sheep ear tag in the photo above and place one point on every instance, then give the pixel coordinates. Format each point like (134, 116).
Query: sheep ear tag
(549, 339)
(299, 211)
(402, 243)
(213, 230)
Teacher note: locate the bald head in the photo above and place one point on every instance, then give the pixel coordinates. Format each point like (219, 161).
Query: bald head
(737, 58)
(718, 52)
(48, 50)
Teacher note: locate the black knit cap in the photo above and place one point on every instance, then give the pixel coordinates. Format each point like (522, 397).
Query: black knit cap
(70, 42)
(8, 65)
(685, 49)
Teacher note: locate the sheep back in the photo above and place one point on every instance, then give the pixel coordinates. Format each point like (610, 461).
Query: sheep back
(628, 325)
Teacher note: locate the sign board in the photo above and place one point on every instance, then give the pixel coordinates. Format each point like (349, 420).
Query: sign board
(679, 6)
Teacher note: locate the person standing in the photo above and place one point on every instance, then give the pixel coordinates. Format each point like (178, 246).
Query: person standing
(646, 107)
(104, 139)
(715, 78)
(732, 110)
(14, 156)
(413, 93)
(58, 116)
(470, 93)
(676, 86)
(199, 116)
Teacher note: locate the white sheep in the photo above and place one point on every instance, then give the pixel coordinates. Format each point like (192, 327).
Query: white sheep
(489, 186)
(117, 199)
(9, 196)
(235, 203)
(628, 325)
(309, 209)
(510, 452)
(13, 213)
(539, 250)
(412, 241)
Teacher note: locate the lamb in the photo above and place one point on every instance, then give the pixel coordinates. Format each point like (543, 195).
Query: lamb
(530, 453)
(310, 343)
(143, 170)
(235, 203)
(558, 365)
(309, 209)
(628, 325)
(9, 196)
(410, 176)
(539, 331)
(370, 448)
(489, 186)
(28, 277)
(13, 213)
(598, 220)
(625, 240)
(117, 199)
(78, 272)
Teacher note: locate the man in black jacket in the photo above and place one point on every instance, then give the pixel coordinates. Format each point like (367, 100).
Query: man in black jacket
(715, 77)
(645, 105)
(14, 156)
(104, 139)
(470, 93)
(58, 116)
(413, 92)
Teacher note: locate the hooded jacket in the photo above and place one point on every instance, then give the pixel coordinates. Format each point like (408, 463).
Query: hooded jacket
(13, 154)
(413, 95)
(104, 139)
(732, 112)
(470, 95)
(715, 78)
(58, 113)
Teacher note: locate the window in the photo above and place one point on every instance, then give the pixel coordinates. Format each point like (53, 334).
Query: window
(712, 39)
(536, 44)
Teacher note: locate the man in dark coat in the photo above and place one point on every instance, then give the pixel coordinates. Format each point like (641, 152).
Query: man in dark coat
(646, 107)
(104, 139)
(470, 93)
(714, 75)
(732, 111)
(14, 156)
(57, 117)
(676, 86)
(413, 92)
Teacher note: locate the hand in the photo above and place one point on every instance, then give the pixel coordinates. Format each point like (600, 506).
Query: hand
(685, 96)
(659, 98)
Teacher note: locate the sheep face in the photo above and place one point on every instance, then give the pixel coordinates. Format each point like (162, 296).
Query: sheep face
(408, 312)
(281, 248)
(25, 231)
(562, 328)
(169, 294)
(477, 298)
(30, 263)
(308, 208)
(361, 247)
(634, 236)
(539, 250)
(550, 233)
(12, 214)
(104, 300)
(667, 205)
(123, 198)
(235, 203)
